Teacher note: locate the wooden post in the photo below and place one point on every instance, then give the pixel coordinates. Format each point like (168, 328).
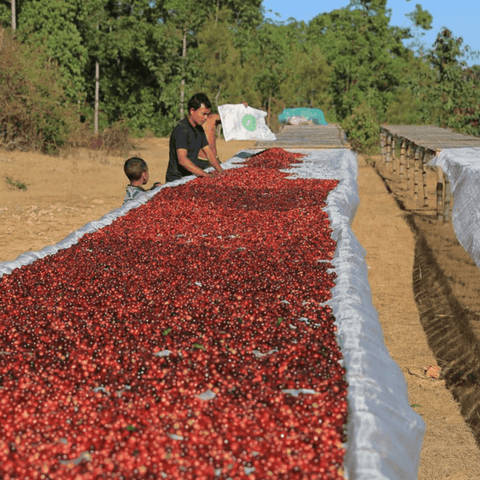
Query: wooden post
(388, 149)
(424, 178)
(402, 160)
(394, 156)
(439, 194)
(448, 198)
(382, 144)
(408, 155)
(415, 175)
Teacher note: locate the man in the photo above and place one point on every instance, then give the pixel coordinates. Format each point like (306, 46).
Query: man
(186, 141)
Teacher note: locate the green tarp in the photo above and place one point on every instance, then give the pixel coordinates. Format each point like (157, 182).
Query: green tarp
(314, 114)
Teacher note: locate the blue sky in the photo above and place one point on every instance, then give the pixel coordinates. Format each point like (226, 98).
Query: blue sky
(462, 17)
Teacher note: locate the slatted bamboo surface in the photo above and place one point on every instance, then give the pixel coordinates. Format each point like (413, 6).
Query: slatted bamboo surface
(419, 143)
(308, 137)
(430, 137)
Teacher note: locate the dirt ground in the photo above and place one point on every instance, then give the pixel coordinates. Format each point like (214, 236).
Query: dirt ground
(391, 235)
(64, 193)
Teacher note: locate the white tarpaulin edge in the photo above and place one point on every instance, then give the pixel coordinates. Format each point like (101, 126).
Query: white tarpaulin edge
(462, 167)
(384, 433)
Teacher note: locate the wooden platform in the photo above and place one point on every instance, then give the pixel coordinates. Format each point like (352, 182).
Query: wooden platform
(307, 137)
(418, 144)
(431, 138)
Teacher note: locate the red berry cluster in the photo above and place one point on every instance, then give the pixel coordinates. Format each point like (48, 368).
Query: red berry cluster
(187, 340)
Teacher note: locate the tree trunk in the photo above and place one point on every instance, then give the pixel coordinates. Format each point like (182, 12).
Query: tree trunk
(14, 16)
(269, 108)
(97, 95)
(182, 83)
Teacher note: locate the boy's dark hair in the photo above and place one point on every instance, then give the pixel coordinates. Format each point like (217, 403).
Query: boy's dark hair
(134, 168)
(196, 101)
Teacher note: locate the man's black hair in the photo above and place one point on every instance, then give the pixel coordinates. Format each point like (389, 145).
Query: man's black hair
(196, 101)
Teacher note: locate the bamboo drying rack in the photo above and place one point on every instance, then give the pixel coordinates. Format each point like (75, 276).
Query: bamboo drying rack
(310, 137)
(421, 143)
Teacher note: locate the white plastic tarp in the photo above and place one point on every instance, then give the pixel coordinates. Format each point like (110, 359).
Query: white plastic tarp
(244, 123)
(462, 167)
(384, 433)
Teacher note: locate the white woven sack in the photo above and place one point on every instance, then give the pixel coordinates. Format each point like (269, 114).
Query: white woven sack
(244, 123)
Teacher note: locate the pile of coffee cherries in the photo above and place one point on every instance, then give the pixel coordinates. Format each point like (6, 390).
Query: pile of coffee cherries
(190, 339)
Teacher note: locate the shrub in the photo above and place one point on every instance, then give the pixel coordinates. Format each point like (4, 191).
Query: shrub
(34, 112)
(115, 139)
(363, 129)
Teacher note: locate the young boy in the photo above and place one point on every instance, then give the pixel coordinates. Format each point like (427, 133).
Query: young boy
(136, 169)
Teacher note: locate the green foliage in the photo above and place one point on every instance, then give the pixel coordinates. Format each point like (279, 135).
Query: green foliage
(219, 61)
(405, 109)
(34, 110)
(455, 95)
(306, 84)
(153, 55)
(53, 25)
(421, 18)
(365, 53)
(16, 184)
(362, 129)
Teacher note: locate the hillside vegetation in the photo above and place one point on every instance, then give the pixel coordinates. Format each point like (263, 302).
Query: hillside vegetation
(136, 62)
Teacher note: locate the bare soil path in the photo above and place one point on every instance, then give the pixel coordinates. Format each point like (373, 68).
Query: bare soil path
(449, 450)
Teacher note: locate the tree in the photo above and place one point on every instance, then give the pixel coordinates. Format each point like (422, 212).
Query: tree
(219, 60)
(308, 72)
(456, 93)
(53, 24)
(186, 17)
(366, 54)
(34, 111)
(14, 15)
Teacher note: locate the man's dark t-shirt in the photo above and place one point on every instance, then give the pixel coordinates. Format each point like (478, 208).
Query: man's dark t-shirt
(192, 139)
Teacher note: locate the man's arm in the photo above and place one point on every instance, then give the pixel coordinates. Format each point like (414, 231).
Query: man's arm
(185, 162)
(212, 159)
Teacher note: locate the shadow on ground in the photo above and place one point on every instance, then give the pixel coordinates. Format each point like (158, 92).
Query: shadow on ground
(446, 286)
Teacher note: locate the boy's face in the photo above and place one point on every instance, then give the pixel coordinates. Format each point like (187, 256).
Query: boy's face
(199, 116)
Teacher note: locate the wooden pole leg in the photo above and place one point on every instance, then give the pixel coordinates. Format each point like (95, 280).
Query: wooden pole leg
(439, 194)
(424, 178)
(416, 175)
(402, 160)
(382, 144)
(394, 156)
(408, 157)
(388, 148)
(447, 199)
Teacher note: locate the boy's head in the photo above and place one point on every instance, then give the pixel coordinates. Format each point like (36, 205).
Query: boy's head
(136, 170)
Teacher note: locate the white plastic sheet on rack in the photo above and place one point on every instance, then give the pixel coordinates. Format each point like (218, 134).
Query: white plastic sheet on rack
(462, 167)
(244, 123)
(384, 433)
